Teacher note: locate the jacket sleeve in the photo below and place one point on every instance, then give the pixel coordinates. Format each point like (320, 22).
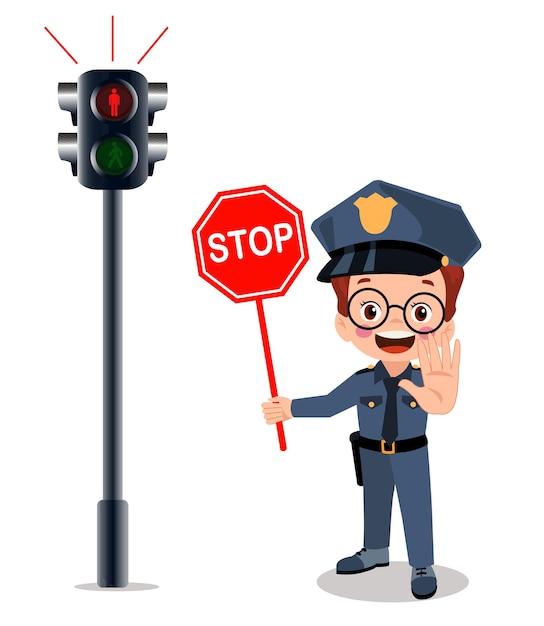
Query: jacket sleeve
(338, 400)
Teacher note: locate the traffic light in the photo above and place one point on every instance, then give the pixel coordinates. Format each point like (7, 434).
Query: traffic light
(112, 110)
(112, 150)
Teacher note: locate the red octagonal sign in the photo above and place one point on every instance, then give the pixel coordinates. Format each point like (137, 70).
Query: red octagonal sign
(250, 243)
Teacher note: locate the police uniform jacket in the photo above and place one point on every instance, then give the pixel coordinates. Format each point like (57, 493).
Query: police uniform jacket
(365, 390)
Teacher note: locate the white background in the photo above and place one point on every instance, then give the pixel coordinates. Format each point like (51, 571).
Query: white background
(314, 99)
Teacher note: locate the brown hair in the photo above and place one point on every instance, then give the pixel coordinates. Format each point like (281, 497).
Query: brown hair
(453, 277)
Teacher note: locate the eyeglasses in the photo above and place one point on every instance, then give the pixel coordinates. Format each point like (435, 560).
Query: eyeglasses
(369, 309)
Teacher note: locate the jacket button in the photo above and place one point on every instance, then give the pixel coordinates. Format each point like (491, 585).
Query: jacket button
(413, 404)
(371, 404)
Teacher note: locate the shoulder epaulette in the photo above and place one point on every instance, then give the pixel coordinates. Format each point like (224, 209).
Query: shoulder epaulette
(366, 369)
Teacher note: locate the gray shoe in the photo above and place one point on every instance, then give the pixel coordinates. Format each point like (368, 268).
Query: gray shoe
(423, 582)
(363, 560)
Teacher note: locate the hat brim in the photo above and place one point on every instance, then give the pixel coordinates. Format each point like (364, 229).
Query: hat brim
(382, 257)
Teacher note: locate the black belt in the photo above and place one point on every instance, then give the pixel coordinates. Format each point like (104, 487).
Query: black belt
(403, 445)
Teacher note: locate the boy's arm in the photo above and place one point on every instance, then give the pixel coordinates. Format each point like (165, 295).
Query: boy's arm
(280, 409)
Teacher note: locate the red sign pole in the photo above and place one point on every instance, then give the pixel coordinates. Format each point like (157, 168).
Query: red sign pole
(270, 367)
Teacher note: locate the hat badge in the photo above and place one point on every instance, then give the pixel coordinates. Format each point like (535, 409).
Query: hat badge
(375, 212)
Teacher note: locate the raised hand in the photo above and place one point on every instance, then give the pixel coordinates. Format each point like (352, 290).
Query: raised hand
(440, 375)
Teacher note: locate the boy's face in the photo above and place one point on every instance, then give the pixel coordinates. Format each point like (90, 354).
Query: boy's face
(389, 312)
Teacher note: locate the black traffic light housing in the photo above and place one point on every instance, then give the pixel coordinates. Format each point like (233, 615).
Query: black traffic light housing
(112, 110)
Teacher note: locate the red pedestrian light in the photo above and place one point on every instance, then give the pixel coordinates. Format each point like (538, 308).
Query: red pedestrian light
(114, 102)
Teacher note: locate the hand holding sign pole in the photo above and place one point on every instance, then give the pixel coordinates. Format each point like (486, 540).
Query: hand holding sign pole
(250, 244)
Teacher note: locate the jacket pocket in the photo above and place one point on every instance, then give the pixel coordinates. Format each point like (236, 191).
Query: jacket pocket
(371, 402)
(410, 402)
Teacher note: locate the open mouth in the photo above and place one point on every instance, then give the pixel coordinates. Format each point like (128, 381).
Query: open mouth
(395, 341)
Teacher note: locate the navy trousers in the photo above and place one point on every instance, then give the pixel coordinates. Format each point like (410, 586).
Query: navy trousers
(409, 473)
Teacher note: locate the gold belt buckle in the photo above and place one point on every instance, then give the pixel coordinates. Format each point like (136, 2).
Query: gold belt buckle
(384, 450)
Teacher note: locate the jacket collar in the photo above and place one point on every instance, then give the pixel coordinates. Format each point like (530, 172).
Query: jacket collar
(380, 372)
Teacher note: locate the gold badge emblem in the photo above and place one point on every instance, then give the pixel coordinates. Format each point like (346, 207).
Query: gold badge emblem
(375, 212)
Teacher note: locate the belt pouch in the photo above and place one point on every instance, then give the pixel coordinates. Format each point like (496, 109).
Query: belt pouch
(354, 438)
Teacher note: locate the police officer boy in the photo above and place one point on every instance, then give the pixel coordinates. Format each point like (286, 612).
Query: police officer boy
(396, 266)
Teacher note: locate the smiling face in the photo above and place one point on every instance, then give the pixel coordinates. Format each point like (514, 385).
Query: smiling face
(388, 312)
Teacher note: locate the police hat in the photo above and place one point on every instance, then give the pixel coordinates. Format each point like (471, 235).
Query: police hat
(385, 229)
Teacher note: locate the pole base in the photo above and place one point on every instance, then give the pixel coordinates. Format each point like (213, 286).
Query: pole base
(112, 543)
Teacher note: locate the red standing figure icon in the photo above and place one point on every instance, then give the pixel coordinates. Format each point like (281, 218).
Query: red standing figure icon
(114, 101)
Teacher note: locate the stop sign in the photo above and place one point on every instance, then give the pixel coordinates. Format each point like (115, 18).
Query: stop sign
(250, 243)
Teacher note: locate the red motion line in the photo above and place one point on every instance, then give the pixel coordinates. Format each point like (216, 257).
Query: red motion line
(151, 46)
(47, 29)
(112, 40)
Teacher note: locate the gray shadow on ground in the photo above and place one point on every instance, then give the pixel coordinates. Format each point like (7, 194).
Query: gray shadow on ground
(129, 587)
(389, 584)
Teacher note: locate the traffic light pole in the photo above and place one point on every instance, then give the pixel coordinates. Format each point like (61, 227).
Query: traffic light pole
(113, 510)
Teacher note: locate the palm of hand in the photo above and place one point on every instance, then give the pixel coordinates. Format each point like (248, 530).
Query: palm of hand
(440, 374)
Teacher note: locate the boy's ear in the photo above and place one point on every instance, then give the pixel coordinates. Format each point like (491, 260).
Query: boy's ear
(342, 326)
